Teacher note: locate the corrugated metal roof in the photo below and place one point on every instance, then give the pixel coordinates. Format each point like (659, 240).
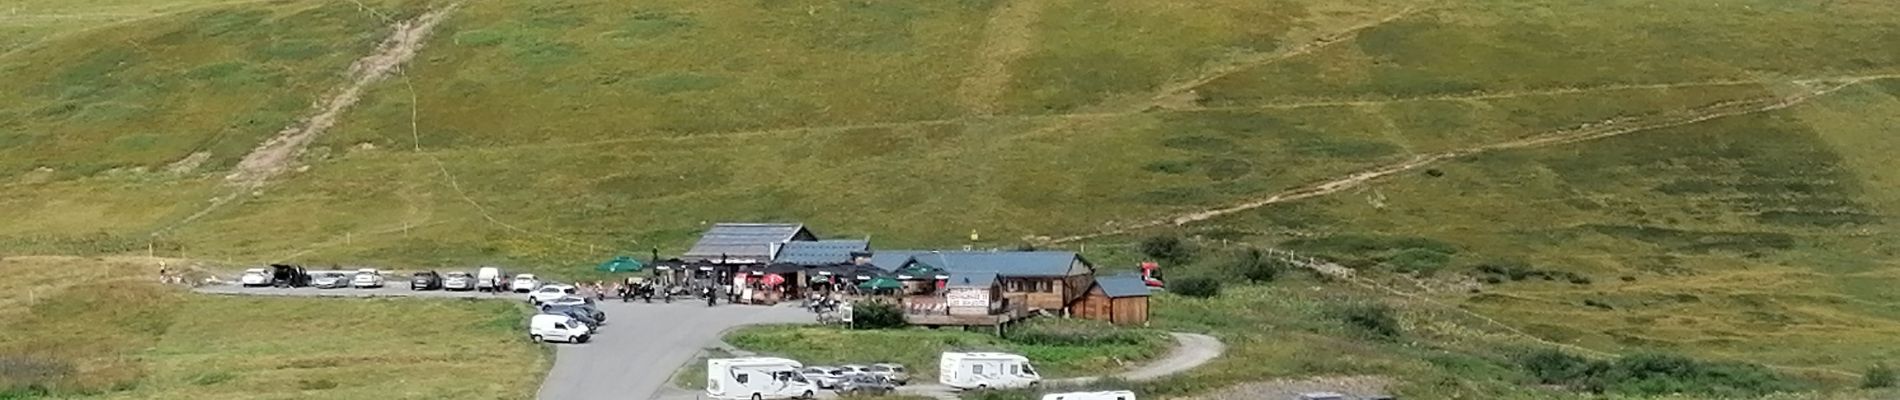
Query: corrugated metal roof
(891, 260)
(742, 241)
(1005, 263)
(822, 252)
(972, 279)
(1122, 286)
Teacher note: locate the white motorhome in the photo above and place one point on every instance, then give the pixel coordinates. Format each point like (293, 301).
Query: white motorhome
(757, 378)
(555, 327)
(487, 277)
(986, 371)
(1110, 395)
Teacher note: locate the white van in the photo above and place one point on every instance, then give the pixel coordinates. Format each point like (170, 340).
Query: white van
(1111, 395)
(986, 371)
(486, 278)
(553, 327)
(757, 378)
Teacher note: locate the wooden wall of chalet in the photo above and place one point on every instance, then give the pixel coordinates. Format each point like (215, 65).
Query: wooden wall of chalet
(1096, 305)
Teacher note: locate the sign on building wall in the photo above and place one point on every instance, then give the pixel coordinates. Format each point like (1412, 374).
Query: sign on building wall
(967, 297)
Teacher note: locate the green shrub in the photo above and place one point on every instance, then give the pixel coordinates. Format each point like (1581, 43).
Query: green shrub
(1551, 366)
(1254, 265)
(876, 315)
(1879, 376)
(1653, 374)
(1074, 332)
(1374, 320)
(1168, 248)
(1419, 260)
(1198, 286)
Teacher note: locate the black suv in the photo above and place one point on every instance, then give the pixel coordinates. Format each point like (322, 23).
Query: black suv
(425, 280)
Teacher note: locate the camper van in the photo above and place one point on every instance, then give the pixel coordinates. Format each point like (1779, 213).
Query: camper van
(486, 278)
(557, 327)
(757, 378)
(986, 371)
(1112, 395)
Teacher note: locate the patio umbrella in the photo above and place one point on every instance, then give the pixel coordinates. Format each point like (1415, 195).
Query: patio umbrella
(880, 283)
(621, 264)
(772, 280)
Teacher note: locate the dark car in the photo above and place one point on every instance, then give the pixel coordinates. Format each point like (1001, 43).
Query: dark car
(283, 275)
(425, 280)
(864, 384)
(577, 313)
(592, 313)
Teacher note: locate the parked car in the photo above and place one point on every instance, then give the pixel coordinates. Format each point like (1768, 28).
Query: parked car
(1321, 396)
(330, 280)
(854, 369)
(367, 278)
(825, 377)
(525, 283)
(284, 275)
(592, 312)
(550, 292)
(490, 279)
(255, 277)
(458, 280)
(575, 313)
(864, 384)
(894, 372)
(570, 301)
(425, 280)
(554, 327)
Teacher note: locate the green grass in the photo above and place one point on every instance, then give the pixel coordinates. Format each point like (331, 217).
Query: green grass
(550, 135)
(919, 349)
(103, 329)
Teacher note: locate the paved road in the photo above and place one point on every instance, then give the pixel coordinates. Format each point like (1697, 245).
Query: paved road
(642, 344)
(632, 357)
(1191, 350)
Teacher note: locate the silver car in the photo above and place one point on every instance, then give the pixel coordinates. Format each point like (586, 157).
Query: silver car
(894, 372)
(458, 280)
(824, 377)
(864, 384)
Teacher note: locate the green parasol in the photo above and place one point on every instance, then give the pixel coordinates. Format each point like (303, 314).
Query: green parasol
(880, 283)
(621, 264)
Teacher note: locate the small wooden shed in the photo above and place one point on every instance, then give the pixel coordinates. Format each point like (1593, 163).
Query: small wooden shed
(1122, 300)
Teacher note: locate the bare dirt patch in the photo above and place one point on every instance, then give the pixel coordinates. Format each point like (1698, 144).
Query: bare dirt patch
(271, 158)
(1010, 34)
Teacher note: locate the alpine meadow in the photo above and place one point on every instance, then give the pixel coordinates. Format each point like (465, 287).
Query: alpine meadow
(1528, 198)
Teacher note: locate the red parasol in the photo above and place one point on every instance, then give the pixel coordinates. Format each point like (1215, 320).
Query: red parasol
(772, 280)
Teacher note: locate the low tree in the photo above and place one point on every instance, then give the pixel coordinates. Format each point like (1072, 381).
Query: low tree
(1167, 248)
(876, 315)
(1880, 376)
(1254, 265)
(1197, 286)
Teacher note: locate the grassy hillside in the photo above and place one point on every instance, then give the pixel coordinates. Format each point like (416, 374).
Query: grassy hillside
(551, 134)
(98, 328)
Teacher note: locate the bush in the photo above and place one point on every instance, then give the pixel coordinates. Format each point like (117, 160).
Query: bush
(1880, 376)
(1374, 320)
(1418, 260)
(1073, 332)
(32, 375)
(1551, 366)
(876, 315)
(1651, 374)
(1198, 286)
(1254, 265)
(1167, 248)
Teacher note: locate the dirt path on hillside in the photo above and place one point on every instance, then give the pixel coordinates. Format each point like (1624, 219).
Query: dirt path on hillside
(1010, 34)
(1587, 132)
(1242, 64)
(274, 156)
